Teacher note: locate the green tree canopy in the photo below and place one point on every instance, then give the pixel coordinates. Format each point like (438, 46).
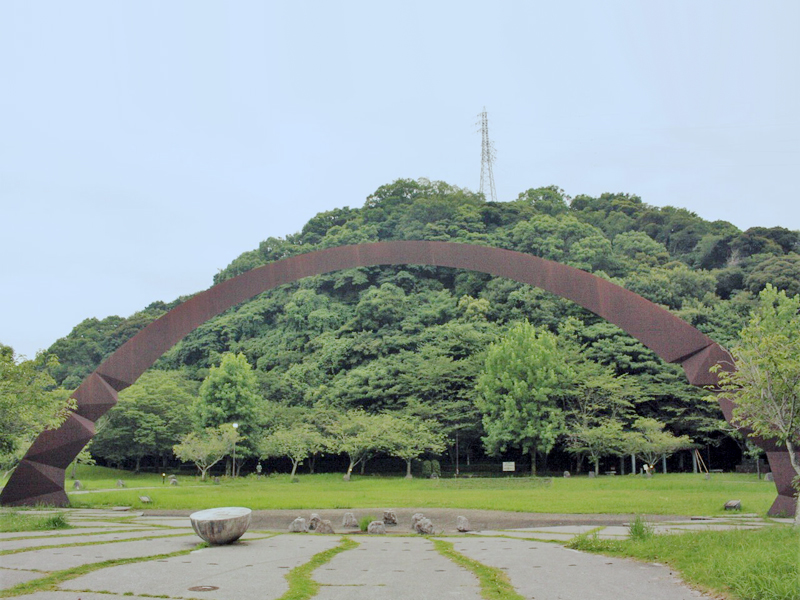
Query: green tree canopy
(766, 382)
(519, 392)
(29, 403)
(207, 447)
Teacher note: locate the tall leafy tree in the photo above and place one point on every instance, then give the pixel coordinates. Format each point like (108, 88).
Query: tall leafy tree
(29, 403)
(766, 383)
(229, 394)
(149, 418)
(207, 447)
(519, 392)
(296, 442)
(409, 437)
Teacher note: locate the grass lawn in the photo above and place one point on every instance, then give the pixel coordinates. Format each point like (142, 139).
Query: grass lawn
(13, 521)
(676, 494)
(752, 565)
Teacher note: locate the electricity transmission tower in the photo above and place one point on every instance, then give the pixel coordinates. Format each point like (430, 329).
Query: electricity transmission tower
(487, 158)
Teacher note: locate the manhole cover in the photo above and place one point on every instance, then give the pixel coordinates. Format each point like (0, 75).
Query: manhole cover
(203, 588)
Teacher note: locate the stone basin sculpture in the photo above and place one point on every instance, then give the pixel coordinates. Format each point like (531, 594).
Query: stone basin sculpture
(219, 526)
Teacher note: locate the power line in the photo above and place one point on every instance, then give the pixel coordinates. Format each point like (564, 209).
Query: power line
(488, 156)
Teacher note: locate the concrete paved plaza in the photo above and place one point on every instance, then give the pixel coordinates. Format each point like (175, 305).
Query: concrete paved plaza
(168, 562)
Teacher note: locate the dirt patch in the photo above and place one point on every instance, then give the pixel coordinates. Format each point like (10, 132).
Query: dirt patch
(443, 518)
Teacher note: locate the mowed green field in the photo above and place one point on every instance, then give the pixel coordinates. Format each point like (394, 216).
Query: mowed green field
(672, 494)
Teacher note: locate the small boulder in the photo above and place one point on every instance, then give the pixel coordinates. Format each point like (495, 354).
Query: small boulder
(769, 477)
(216, 480)
(377, 528)
(145, 499)
(173, 482)
(324, 526)
(120, 483)
(299, 525)
(462, 524)
(424, 526)
(416, 519)
(733, 505)
(389, 517)
(313, 521)
(77, 485)
(592, 474)
(567, 474)
(350, 521)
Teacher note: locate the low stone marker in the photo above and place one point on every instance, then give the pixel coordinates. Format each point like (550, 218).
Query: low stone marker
(416, 518)
(77, 485)
(567, 474)
(145, 499)
(314, 521)
(769, 477)
(220, 526)
(120, 483)
(324, 526)
(462, 524)
(173, 481)
(299, 525)
(376, 528)
(733, 505)
(591, 474)
(424, 526)
(216, 481)
(349, 520)
(389, 517)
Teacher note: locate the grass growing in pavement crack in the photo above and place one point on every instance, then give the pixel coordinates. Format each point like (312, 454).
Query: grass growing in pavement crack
(53, 580)
(301, 585)
(495, 584)
(97, 543)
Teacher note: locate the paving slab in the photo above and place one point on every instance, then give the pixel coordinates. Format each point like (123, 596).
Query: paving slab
(550, 571)
(56, 559)
(388, 568)
(83, 539)
(182, 523)
(62, 532)
(73, 596)
(249, 569)
(11, 577)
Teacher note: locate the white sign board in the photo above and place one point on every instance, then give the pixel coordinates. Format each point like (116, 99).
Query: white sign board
(508, 466)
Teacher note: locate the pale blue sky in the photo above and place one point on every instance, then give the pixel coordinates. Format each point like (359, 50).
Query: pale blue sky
(144, 145)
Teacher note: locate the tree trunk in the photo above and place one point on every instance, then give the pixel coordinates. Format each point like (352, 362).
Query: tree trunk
(138, 463)
(74, 466)
(533, 462)
(597, 466)
(311, 460)
(408, 470)
(294, 467)
(349, 470)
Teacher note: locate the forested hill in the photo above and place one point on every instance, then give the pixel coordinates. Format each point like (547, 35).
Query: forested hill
(385, 338)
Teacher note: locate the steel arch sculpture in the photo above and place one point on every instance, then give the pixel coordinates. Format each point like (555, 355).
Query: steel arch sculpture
(39, 478)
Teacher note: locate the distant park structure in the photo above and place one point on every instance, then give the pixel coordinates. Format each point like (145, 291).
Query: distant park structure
(39, 478)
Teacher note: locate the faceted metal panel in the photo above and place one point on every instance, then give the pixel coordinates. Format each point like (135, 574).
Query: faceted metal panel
(665, 334)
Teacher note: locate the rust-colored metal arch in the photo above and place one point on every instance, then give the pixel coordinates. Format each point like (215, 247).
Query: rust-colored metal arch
(39, 478)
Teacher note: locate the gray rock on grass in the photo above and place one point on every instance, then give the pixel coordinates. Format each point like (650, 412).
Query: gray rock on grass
(389, 517)
(299, 525)
(324, 526)
(349, 521)
(314, 522)
(376, 528)
(416, 519)
(424, 526)
(462, 524)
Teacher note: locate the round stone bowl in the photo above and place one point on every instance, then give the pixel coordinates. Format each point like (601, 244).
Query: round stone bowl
(220, 526)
